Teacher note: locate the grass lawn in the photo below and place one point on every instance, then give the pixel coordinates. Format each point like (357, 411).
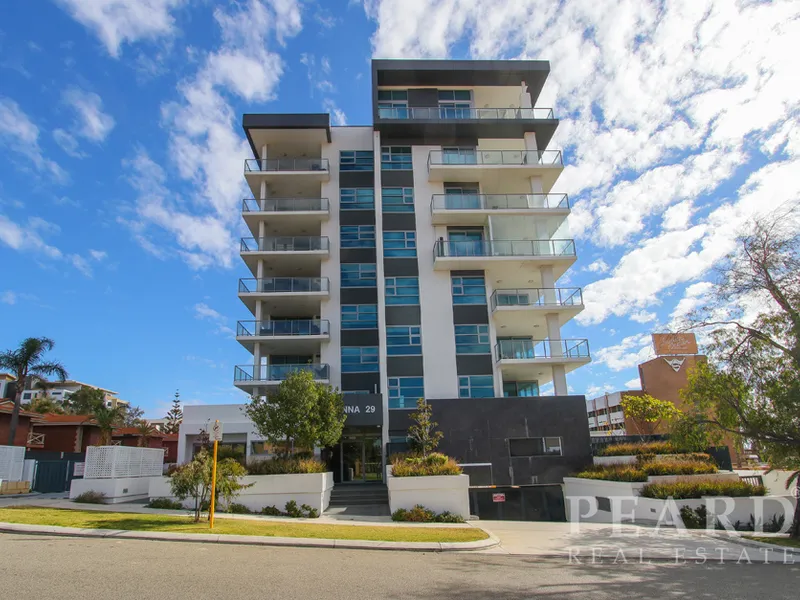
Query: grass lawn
(91, 519)
(778, 541)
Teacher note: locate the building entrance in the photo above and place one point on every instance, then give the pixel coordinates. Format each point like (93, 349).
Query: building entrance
(357, 459)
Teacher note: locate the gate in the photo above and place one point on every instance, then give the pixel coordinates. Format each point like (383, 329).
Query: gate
(52, 476)
(518, 503)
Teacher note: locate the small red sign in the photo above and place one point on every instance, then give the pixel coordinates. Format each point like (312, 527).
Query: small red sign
(498, 497)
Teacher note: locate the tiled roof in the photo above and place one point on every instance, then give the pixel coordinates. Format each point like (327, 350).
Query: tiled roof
(54, 419)
(7, 406)
(134, 431)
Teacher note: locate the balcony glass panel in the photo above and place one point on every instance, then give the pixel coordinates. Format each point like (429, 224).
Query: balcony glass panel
(277, 372)
(298, 327)
(538, 297)
(472, 156)
(509, 248)
(289, 285)
(457, 201)
(453, 111)
(285, 205)
(284, 244)
(533, 349)
(256, 165)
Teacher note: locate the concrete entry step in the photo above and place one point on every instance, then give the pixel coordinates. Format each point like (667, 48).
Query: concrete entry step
(362, 510)
(359, 495)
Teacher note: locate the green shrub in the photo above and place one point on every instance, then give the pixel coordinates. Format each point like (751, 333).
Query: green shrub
(310, 512)
(420, 514)
(292, 510)
(614, 473)
(412, 465)
(678, 467)
(448, 517)
(648, 466)
(90, 497)
(637, 449)
(236, 508)
(286, 466)
(694, 518)
(682, 490)
(165, 503)
(271, 511)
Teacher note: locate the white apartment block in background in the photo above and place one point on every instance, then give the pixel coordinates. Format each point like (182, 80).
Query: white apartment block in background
(61, 390)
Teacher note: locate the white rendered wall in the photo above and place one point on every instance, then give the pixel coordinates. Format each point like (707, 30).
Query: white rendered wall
(436, 302)
(202, 417)
(495, 96)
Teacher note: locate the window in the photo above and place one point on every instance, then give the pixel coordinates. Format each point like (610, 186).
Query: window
(359, 316)
(399, 244)
(26, 396)
(398, 199)
(520, 388)
(357, 236)
(402, 291)
(356, 160)
(455, 95)
(476, 386)
(359, 275)
(359, 359)
(468, 290)
(397, 158)
(548, 446)
(405, 391)
(472, 339)
(357, 199)
(455, 104)
(459, 156)
(403, 341)
(393, 104)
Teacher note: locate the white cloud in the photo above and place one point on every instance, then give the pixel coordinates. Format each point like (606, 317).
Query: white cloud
(81, 264)
(43, 227)
(598, 266)
(119, 21)
(641, 316)
(337, 115)
(204, 312)
(67, 143)
(98, 255)
(633, 384)
(8, 297)
(593, 391)
(19, 134)
(91, 122)
(26, 239)
(630, 352)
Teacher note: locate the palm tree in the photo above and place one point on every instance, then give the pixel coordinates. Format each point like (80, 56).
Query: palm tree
(145, 431)
(26, 364)
(106, 419)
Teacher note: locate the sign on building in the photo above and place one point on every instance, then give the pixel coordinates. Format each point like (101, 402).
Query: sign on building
(498, 497)
(667, 344)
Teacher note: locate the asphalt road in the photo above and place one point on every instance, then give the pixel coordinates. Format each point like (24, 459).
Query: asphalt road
(37, 567)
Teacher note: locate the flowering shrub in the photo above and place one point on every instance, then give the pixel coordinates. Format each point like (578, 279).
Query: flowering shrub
(637, 449)
(681, 490)
(405, 465)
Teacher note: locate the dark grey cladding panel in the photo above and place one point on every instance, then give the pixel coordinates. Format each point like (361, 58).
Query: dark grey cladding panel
(361, 381)
(466, 314)
(466, 273)
(362, 410)
(399, 366)
(358, 255)
(356, 217)
(474, 364)
(428, 97)
(356, 179)
(363, 295)
(454, 132)
(360, 337)
(395, 178)
(399, 222)
(427, 140)
(402, 315)
(400, 267)
(399, 419)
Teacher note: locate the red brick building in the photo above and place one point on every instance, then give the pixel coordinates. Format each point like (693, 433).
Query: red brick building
(24, 428)
(67, 433)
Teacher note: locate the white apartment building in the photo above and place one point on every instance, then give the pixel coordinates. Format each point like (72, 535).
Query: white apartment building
(61, 390)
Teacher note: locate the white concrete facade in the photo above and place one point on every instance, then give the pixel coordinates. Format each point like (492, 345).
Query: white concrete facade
(438, 493)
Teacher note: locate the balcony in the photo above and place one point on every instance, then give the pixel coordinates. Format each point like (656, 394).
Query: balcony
(474, 209)
(298, 255)
(35, 440)
(495, 167)
(300, 212)
(284, 296)
(512, 262)
(286, 175)
(521, 360)
(296, 336)
(468, 122)
(533, 303)
(248, 377)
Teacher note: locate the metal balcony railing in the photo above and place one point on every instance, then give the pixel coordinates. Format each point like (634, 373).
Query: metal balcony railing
(295, 327)
(537, 297)
(287, 285)
(533, 349)
(446, 113)
(285, 205)
(498, 201)
(477, 157)
(508, 248)
(284, 244)
(267, 373)
(261, 165)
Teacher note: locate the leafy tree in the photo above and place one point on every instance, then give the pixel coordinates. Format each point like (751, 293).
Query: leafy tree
(193, 480)
(301, 413)
(422, 433)
(132, 416)
(27, 365)
(175, 415)
(145, 431)
(647, 413)
(107, 419)
(751, 387)
(691, 433)
(46, 405)
(85, 401)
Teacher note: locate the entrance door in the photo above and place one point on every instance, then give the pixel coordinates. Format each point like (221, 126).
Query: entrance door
(361, 460)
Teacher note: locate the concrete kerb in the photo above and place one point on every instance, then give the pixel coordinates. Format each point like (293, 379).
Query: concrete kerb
(20, 528)
(744, 541)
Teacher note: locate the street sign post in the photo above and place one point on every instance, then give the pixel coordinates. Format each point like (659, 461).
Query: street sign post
(216, 434)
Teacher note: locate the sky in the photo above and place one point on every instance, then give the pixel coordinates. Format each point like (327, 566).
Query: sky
(121, 178)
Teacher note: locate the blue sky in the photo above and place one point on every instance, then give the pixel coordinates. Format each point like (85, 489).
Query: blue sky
(119, 125)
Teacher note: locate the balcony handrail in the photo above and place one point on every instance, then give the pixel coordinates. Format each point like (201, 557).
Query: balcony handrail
(446, 113)
(286, 285)
(302, 243)
(555, 247)
(297, 327)
(498, 201)
(537, 297)
(476, 156)
(35, 439)
(532, 349)
(285, 205)
(257, 165)
(278, 372)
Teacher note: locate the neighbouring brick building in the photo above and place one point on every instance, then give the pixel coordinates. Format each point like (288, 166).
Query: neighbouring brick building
(26, 419)
(67, 433)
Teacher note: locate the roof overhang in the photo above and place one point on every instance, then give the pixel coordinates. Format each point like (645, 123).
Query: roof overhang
(268, 128)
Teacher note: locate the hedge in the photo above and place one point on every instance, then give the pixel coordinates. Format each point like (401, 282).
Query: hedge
(683, 490)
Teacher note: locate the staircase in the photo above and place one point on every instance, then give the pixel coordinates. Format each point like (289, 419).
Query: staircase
(360, 499)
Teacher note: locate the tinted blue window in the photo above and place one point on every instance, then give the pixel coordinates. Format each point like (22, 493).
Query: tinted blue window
(359, 275)
(405, 391)
(359, 316)
(356, 160)
(396, 158)
(357, 236)
(398, 199)
(472, 339)
(476, 386)
(402, 291)
(468, 290)
(403, 341)
(400, 244)
(359, 359)
(357, 199)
